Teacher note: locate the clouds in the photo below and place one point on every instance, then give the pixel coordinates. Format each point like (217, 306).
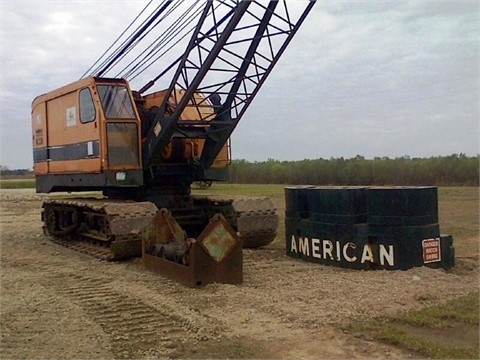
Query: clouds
(386, 78)
(389, 78)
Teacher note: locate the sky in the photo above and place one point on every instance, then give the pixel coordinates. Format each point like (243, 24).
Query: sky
(369, 78)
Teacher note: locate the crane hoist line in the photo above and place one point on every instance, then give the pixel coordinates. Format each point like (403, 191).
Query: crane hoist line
(133, 154)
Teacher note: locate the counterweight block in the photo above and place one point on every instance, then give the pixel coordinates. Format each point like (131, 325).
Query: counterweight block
(388, 228)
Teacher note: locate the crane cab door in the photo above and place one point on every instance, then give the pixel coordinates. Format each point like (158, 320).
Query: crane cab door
(74, 135)
(66, 134)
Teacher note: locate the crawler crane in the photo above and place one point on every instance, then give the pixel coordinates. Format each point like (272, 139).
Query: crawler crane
(143, 149)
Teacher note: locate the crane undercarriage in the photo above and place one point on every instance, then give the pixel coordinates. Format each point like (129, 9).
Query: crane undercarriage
(112, 229)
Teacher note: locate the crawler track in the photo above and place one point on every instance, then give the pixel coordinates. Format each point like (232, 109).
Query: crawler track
(112, 229)
(101, 228)
(100, 251)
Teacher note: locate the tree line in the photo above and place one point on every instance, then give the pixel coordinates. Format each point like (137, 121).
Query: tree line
(453, 170)
(5, 171)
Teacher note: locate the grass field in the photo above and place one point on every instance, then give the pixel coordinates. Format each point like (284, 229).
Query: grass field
(17, 183)
(429, 332)
(448, 331)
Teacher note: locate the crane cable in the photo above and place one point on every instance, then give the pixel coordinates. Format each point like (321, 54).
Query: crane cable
(164, 37)
(139, 39)
(134, 37)
(111, 46)
(171, 38)
(140, 33)
(122, 45)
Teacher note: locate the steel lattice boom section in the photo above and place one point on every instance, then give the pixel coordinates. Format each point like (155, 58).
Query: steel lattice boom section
(233, 49)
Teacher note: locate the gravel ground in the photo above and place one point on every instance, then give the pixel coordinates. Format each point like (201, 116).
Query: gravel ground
(56, 303)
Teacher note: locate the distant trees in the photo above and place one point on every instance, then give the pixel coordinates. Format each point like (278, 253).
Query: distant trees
(453, 170)
(6, 172)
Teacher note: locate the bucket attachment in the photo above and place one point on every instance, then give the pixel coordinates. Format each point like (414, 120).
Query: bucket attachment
(215, 256)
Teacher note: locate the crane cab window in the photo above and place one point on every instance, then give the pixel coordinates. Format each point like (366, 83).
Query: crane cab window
(87, 107)
(116, 102)
(122, 141)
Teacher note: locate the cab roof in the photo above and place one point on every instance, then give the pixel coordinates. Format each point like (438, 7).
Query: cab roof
(74, 86)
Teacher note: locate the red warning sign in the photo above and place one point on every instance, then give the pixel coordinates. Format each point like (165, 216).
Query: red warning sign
(431, 250)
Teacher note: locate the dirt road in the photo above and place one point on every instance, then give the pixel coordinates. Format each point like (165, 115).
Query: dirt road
(56, 303)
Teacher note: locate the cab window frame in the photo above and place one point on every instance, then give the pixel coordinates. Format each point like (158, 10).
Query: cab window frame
(86, 107)
(116, 102)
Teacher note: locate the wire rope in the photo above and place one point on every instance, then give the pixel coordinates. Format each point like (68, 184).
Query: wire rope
(175, 40)
(116, 40)
(125, 41)
(135, 37)
(156, 46)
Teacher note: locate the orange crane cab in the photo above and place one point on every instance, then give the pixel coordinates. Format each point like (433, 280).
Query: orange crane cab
(86, 136)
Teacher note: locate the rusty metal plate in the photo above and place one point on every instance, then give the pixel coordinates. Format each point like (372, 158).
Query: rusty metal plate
(216, 256)
(217, 239)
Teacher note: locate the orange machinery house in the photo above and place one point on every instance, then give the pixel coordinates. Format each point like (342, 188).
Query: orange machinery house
(88, 136)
